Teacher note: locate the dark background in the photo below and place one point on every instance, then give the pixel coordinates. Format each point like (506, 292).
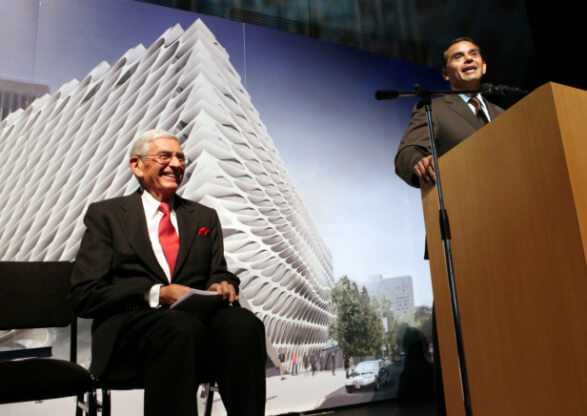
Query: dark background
(526, 43)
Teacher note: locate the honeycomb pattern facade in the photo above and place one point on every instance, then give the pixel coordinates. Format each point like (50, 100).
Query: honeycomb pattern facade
(70, 148)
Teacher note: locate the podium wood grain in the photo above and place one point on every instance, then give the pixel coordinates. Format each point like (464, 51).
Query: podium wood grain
(516, 195)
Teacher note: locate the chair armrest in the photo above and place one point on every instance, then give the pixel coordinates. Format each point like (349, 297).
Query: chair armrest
(39, 352)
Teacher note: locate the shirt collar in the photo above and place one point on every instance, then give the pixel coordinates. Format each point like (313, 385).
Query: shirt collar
(466, 97)
(151, 204)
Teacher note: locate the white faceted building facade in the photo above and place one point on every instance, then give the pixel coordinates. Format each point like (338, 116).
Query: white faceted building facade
(70, 148)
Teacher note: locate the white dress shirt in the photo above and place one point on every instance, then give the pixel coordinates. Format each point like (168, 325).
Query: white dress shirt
(466, 98)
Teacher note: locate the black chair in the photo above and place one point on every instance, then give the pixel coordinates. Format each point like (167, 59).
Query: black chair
(35, 295)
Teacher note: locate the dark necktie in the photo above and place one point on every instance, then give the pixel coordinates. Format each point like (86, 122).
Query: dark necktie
(168, 237)
(474, 101)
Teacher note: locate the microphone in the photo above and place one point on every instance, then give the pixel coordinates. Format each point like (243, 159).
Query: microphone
(386, 94)
(501, 90)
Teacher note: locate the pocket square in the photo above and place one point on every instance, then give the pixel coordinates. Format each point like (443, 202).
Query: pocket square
(203, 231)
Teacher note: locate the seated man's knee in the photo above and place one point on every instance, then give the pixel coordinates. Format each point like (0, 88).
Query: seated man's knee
(241, 323)
(247, 320)
(178, 324)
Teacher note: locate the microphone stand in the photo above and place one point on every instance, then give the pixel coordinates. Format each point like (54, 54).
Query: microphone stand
(426, 102)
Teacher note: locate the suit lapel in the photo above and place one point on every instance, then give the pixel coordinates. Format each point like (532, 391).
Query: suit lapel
(456, 104)
(493, 111)
(186, 222)
(136, 226)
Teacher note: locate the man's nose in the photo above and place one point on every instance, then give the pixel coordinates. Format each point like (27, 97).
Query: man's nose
(175, 162)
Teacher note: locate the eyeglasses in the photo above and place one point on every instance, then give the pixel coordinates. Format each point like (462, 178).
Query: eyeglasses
(164, 158)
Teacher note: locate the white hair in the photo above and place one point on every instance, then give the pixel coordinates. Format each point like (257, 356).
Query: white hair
(140, 145)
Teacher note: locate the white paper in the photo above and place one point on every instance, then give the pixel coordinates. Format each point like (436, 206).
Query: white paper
(191, 293)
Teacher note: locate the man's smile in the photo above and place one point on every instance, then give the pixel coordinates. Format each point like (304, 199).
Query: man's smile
(469, 69)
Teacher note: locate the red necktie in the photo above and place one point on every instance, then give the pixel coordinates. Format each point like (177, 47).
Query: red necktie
(168, 237)
(474, 101)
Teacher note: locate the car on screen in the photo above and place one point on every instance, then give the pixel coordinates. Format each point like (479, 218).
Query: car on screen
(372, 374)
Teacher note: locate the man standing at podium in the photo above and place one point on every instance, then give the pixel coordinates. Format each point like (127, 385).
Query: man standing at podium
(454, 117)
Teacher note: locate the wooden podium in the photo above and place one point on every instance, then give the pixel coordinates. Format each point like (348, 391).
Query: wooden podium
(516, 196)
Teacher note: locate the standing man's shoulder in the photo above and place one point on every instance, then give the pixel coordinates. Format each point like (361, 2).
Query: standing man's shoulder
(417, 131)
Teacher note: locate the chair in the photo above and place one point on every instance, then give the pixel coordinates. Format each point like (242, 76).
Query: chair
(35, 295)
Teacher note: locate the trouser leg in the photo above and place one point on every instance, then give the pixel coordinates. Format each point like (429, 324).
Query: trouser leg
(168, 349)
(238, 348)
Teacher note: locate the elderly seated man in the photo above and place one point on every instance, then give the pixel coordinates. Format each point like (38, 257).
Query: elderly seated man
(142, 252)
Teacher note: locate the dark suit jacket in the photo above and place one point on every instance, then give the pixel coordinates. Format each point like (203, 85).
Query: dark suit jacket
(116, 267)
(453, 122)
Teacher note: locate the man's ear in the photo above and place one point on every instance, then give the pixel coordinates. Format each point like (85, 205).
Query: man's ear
(484, 68)
(136, 166)
(444, 74)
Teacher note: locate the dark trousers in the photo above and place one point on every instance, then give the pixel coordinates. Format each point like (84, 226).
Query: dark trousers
(173, 351)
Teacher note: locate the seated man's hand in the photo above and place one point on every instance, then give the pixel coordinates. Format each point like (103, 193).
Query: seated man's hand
(424, 170)
(170, 293)
(225, 289)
